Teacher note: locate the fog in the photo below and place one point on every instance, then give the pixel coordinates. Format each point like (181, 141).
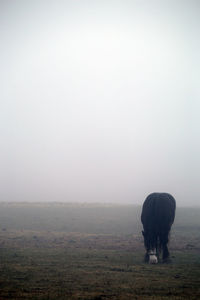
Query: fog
(99, 100)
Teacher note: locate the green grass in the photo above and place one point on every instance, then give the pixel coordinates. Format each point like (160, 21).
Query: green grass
(49, 262)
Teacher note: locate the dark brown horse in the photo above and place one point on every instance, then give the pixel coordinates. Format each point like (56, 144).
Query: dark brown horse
(158, 213)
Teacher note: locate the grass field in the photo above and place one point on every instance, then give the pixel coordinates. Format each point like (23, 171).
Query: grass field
(92, 251)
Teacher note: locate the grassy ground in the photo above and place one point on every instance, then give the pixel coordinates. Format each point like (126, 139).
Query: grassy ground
(42, 256)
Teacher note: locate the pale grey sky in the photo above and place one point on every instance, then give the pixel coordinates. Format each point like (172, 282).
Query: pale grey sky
(99, 100)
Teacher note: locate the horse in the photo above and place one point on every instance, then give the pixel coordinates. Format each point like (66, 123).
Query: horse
(158, 214)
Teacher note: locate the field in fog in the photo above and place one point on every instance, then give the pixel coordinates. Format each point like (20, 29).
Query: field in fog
(92, 251)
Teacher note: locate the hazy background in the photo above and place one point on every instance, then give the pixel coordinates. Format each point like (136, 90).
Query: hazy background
(99, 100)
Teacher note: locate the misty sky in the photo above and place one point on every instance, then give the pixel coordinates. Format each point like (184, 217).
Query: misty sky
(99, 100)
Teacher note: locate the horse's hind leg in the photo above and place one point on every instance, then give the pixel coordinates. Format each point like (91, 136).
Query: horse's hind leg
(165, 253)
(164, 242)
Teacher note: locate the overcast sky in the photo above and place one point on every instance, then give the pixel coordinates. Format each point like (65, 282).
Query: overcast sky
(99, 100)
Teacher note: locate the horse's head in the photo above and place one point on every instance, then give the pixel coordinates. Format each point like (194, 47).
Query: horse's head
(153, 257)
